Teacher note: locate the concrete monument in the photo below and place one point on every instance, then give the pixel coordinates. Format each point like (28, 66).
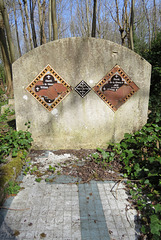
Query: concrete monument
(80, 93)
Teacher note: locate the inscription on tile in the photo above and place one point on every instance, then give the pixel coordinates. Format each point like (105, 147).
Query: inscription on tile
(114, 84)
(82, 89)
(48, 88)
(115, 88)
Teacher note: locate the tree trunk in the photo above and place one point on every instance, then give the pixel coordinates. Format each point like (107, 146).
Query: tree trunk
(17, 34)
(6, 60)
(99, 29)
(154, 20)
(87, 11)
(72, 27)
(24, 26)
(94, 19)
(49, 20)
(122, 28)
(41, 21)
(32, 8)
(148, 21)
(8, 31)
(123, 36)
(28, 25)
(132, 25)
(125, 23)
(54, 21)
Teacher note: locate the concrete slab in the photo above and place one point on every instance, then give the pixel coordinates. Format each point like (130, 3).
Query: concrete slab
(68, 211)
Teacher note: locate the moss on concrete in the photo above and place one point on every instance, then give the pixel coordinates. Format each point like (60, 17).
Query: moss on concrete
(9, 172)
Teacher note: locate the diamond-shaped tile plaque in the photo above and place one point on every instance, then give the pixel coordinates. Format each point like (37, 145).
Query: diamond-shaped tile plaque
(115, 88)
(49, 88)
(82, 89)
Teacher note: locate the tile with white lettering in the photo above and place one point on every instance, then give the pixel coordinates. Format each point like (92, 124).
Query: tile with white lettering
(82, 89)
(49, 88)
(115, 88)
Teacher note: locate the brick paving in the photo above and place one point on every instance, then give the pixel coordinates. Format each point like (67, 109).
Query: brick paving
(65, 210)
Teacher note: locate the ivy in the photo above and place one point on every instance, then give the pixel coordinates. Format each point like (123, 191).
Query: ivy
(140, 156)
(13, 188)
(12, 141)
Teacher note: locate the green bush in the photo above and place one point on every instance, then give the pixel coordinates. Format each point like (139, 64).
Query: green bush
(153, 56)
(12, 141)
(140, 156)
(13, 188)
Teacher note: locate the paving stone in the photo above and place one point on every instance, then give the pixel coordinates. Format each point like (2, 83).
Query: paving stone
(67, 211)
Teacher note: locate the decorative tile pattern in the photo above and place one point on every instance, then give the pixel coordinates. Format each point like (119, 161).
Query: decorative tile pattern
(82, 89)
(49, 88)
(115, 88)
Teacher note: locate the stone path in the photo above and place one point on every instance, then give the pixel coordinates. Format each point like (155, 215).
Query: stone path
(66, 210)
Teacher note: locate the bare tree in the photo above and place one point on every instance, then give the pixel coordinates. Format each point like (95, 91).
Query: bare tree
(6, 59)
(32, 8)
(8, 31)
(72, 30)
(99, 20)
(93, 34)
(81, 24)
(43, 22)
(148, 21)
(87, 16)
(131, 30)
(41, 8)
(24, 26)
(81, 18)
(49, 12)
(27, 20)
(17, 34)
(154, 20)
(122, 20)
(54, 21)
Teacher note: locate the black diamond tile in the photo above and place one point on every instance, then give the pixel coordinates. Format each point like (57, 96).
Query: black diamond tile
(82, 89)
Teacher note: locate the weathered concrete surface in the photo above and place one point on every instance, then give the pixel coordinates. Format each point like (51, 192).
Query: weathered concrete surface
(76, 122)
(62, 209)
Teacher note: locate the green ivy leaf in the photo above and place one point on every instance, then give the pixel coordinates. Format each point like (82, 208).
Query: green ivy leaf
(146, 181)
(100, 150)
(155, 229)
(105, 155)
(38, 179)
(143, 229)
(157, 208)
(155, 225)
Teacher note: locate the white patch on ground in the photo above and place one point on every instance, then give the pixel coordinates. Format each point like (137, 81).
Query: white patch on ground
(91, 81)
(58, 158)
(51, 159)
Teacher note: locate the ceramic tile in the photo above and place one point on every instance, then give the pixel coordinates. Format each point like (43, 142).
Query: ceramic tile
(82, 89)
(49, 88)
(115, 88)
